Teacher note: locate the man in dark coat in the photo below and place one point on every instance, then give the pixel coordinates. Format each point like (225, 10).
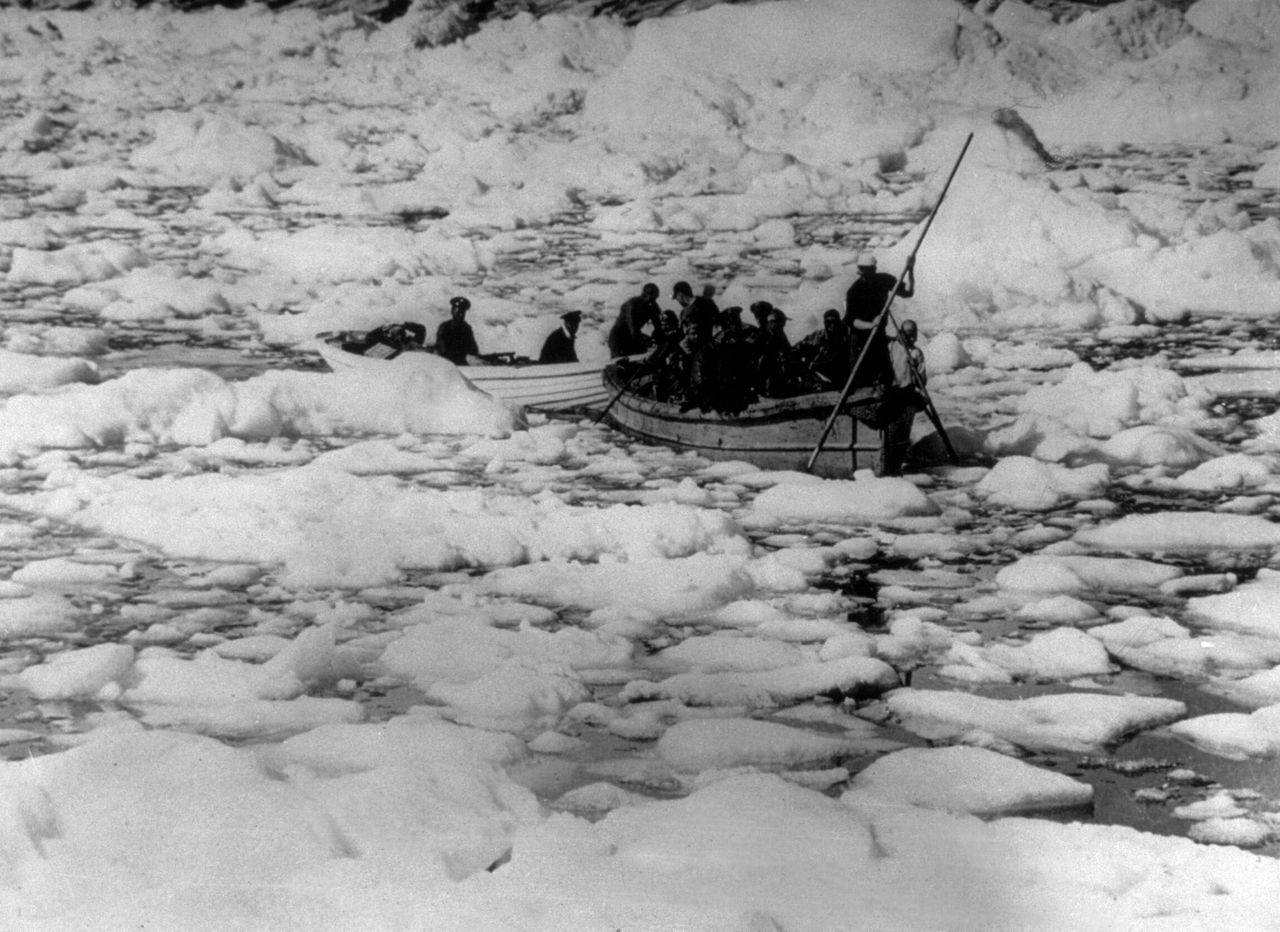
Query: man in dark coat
(734, 364)
(698, 317)
(863, 302)
(822, 357)
(667, 358)
(559, 343)
(773, 359)
(455, 340)
(752, 334)
(626, 337)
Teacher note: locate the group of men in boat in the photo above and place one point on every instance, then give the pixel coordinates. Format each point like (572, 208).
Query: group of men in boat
(708, 358)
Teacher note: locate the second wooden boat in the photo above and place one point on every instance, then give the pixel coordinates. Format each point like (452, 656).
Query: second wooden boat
(550, 387)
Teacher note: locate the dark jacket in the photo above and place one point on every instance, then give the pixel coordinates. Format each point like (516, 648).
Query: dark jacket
(866, 298)
(625, 336)
(863, 302)
(455, 341)
(823, 358)
(698, 319)
(773, 364)
(558, 347)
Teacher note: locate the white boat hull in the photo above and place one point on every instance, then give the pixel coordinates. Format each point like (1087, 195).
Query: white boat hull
(553, 387)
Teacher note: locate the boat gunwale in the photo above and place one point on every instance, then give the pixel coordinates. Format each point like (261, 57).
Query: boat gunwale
(760, 413)
(328, 344)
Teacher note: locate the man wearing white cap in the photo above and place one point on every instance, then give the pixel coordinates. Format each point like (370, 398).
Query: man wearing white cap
(863, 302)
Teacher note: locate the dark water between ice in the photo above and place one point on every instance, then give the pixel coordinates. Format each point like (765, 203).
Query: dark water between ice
(235, 350)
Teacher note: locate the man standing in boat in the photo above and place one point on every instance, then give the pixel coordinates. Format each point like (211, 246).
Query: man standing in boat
(626, 338)
(863, 302)
(906, 360)
(697, 322)
(455, 340)
(559, 343)
(904, 395)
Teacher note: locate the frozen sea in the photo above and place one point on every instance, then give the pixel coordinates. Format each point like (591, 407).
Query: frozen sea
(284, 648)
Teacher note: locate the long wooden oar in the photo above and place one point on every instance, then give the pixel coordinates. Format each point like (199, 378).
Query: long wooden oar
(878, 323)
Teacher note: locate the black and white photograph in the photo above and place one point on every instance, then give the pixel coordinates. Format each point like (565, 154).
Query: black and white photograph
(639, 466)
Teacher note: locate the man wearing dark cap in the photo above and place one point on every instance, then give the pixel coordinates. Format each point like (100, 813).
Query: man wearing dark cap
(455, 340)
(626, 337)
(559, 343)
(760, 311)
(863, 302)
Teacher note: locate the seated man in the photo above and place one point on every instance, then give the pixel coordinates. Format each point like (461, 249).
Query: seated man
(734, 364)
(667, 359)
(559, 343)
(822, 357)
(773, 358)
(455, 340)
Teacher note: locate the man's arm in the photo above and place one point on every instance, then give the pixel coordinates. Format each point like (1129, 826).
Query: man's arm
(907, 284)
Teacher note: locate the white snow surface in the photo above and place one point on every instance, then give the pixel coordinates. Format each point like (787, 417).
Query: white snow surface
(304, 650)
(967, 779)
(1076, 721)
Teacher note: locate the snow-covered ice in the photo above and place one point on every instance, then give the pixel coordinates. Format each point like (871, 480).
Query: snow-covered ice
(284, 648)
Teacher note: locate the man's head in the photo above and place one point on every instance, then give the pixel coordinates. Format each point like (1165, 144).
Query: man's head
(650, 292)
(670, 322)
(830, 319)
(682, 292)
(909, 332)
(458, 308)
(571, 321)
(866, 264)
(760, 311)
(776, 320)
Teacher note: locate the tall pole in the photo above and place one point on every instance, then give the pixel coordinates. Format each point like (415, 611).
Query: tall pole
(879, 322)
